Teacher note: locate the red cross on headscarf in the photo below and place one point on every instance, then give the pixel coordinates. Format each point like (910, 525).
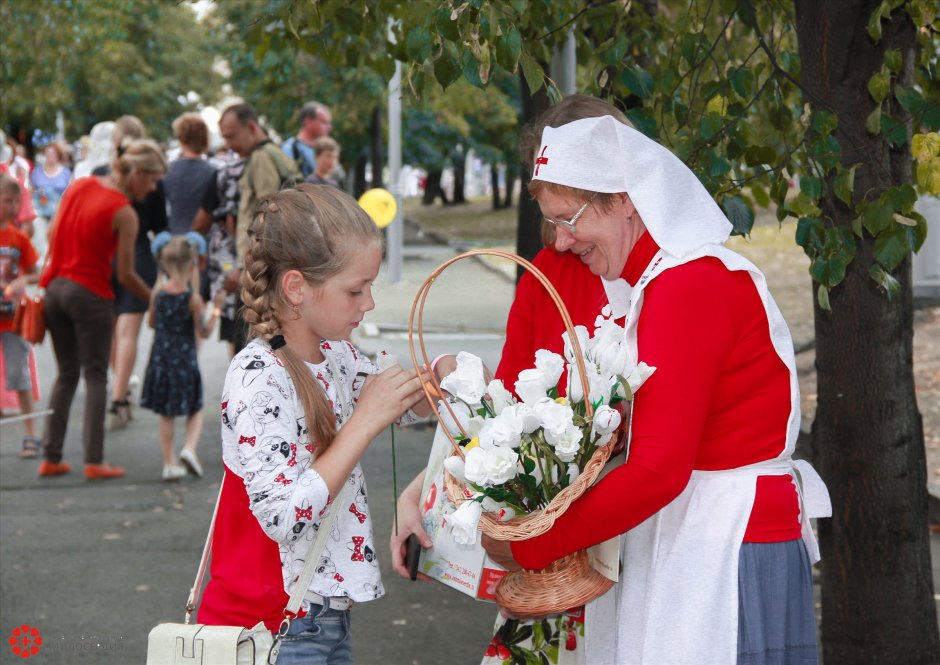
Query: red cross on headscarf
(542, 159)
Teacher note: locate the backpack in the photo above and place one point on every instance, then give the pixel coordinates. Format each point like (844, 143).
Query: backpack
(287, 173)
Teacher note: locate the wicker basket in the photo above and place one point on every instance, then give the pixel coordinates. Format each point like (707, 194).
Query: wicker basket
(570, 581)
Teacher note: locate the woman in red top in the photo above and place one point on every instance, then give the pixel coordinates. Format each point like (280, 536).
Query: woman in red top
(94, 224)
(717, 546)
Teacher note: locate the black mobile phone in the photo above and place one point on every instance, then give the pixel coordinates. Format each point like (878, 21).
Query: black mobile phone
(412, 555)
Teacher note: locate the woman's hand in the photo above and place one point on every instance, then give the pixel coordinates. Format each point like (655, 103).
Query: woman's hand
(409, 522)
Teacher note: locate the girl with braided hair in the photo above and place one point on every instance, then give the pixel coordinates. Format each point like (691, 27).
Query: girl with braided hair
(291, 435)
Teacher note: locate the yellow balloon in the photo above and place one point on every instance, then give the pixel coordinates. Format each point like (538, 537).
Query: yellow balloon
(380, 205)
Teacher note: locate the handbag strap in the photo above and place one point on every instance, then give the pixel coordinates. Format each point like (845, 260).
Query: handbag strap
(316, 547)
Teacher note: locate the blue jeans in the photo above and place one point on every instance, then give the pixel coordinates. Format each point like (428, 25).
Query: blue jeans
(320, 638)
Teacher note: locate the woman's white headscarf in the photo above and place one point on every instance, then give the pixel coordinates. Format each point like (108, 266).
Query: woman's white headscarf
(100, 148)
(604, 155)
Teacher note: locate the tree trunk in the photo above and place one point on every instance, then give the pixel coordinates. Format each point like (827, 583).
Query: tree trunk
(528, 230)
(375, 147)
(877, 588)
(360, 184)
(433, 189)
(460, 173)
(510, 186)
(494, 185)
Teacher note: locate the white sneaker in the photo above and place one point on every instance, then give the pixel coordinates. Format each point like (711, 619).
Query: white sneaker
(173, 472)
(191, 462)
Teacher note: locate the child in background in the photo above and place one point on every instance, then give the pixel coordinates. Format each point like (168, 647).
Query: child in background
(17, 266)
(172, 384)
(291, 437)
(326, 150)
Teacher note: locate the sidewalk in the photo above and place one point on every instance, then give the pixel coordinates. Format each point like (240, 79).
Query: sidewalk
(95, 565)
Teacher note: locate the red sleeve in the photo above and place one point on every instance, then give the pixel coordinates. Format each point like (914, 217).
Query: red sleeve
(686, 330)
(519, 349)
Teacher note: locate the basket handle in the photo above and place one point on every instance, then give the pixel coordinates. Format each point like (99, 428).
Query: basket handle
(433, 388)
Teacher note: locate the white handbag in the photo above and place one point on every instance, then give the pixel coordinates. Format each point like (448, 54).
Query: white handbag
(200, 644)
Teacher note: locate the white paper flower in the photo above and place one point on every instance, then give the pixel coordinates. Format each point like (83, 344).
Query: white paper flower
(500, 396)
(610, 353)
(532, 386)
(503, 430)
(551, 365)
(464, 522)
(575, 390)
(567, 444)
(639, 376)
(555, 418)
(463, 413)
(490, 466)
(524, 416)
(466, 382)
(583, 338)
(605, 421)
(573, 472)
(602, 386)
(455, 467)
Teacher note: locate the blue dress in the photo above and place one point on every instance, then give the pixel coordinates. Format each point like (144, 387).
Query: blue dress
(172, 385)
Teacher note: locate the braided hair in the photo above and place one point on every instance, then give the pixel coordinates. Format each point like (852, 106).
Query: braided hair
(312, 229)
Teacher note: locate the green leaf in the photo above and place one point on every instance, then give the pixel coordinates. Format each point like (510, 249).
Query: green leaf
(824, 122)
(874, 21)
(508, 48)
(760, 195)
(711, 124)
(811, 234)
(471, 69)
(638, 81)
(803, 206)
(828, 269)
(448, 28)
(879, 86)
(532, 71)
(446, 70)
(742, 82)
(810, 186)
(873, 121)
(739, 213)
(614, 51)
(925, 146)
(893, 60)
(892, 246)
(876, 216)
(643, 120)
(885, 280)
(419, 44)
(928, 176)
(822, 297)
(894, 130)
(844, 185)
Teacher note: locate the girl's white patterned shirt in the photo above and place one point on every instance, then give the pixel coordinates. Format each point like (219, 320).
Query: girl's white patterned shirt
(264, 441)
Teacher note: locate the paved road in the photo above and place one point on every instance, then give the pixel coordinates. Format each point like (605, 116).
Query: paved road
(95, 565)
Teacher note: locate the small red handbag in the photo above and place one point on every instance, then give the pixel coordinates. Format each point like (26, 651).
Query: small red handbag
(29, 322)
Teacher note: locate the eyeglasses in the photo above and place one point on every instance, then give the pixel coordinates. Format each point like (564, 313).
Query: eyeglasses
(570, 225)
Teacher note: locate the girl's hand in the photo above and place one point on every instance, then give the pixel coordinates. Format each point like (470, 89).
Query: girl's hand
(409, 522)
(388, 394)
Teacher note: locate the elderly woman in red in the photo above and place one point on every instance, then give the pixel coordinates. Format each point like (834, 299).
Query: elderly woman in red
(713, 512)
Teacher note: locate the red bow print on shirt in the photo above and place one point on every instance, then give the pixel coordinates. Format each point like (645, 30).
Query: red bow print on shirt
(338, 577)
(357, 552)
(293, 455)
(282, 479)
(303, 513)
(250, 440)
(355, 511)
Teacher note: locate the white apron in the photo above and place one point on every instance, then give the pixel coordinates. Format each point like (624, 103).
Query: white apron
(677, 601)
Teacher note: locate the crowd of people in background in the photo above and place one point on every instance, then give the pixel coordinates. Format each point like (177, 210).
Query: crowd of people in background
(96, 220)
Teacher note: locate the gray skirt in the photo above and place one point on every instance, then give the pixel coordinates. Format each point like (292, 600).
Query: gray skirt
(776, 618)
